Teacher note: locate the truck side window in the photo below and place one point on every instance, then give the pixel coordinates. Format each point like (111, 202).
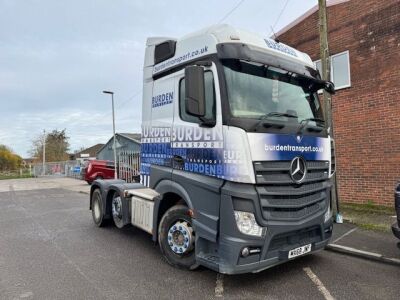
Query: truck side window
(210, 99)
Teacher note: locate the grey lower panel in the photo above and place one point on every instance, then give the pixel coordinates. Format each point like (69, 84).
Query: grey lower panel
(201, 193)
(204, 194)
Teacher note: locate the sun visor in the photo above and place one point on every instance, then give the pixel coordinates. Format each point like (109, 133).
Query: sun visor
(254, 54)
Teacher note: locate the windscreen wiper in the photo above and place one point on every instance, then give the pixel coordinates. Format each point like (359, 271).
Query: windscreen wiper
(277, 114)
(304, 123)
(279, 125)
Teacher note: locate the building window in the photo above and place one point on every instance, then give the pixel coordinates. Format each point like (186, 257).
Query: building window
(340, 69)
(209, 95)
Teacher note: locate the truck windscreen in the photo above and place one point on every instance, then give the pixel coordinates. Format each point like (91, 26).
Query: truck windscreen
(256, 90)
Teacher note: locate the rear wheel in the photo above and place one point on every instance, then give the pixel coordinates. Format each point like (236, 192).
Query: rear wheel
(117, 210)
(176, 238)
(98, 209)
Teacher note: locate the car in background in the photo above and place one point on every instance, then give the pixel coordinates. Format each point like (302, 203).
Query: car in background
(396, 225)
(98, 169)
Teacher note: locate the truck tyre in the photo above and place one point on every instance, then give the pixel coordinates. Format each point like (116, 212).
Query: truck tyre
(97, 209)
(117, 211)
(176, 238)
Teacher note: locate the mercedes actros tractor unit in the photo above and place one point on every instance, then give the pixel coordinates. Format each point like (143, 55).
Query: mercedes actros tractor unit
(236, 158)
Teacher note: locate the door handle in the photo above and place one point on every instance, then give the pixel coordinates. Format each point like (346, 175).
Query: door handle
(178, 159)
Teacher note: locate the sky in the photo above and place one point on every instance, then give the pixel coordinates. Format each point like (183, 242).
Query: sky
(56, 58)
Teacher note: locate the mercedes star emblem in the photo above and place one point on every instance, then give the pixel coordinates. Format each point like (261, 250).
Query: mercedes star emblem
(298, 169)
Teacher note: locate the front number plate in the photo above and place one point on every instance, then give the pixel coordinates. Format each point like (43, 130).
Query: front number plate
(300, 251)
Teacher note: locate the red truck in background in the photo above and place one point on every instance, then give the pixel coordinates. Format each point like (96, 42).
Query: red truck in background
(104, 169)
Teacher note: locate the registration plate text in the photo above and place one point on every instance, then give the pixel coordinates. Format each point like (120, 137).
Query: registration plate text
(299, 251)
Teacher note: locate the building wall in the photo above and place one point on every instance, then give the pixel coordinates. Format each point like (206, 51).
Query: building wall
(366, 115)
(123, 144)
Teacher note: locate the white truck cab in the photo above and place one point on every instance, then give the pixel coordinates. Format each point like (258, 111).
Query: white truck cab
(234, 153)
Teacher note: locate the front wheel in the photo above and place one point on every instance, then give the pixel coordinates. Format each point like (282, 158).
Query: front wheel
(176, 238)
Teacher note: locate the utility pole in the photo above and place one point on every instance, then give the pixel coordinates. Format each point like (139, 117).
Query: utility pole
(44, 153)
(115, 148)
(326, 75)
(325, 61)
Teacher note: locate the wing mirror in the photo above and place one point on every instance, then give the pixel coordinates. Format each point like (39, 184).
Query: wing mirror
(329, 87)
(194, 91)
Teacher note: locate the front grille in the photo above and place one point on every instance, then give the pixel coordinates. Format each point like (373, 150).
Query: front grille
(283, 200)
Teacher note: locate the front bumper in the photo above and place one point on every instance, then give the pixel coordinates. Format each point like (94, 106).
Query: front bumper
(267, 263)
(271, 249)
(268, 257)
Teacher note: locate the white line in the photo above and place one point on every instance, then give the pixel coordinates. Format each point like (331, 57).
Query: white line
(346, 234)
(318, 283)
(219, 286)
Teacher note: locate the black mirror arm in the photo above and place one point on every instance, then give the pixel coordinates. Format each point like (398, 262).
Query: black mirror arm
(207, 122)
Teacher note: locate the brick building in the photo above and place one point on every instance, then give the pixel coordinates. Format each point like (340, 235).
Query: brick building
(364, 42)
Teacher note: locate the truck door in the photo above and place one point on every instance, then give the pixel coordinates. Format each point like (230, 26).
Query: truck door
(198, 156)
(196, 148)
(156, 132)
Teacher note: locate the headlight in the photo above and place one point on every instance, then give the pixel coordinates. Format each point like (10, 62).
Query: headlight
(246, 223)
(328, 214)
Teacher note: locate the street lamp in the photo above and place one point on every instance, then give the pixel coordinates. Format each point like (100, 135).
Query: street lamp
(44, 153)
(115, 149)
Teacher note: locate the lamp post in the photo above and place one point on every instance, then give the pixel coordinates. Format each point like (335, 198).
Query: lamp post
(113, 117)
(44, 153)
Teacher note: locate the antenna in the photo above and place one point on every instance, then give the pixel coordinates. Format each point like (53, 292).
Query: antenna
(275, 37)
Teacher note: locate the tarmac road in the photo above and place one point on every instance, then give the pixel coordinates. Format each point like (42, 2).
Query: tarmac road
(50, 249)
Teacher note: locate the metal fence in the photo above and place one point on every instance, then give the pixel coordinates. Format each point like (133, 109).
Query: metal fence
(129, 166)
(69, 168)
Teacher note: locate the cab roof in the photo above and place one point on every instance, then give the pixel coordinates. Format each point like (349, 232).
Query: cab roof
(223, 33)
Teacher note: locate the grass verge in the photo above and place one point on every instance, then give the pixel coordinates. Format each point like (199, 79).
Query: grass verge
(15, 176)
(369, 216)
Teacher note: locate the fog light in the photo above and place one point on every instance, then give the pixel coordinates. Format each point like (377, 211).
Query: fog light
(245, 252)
(246, 223)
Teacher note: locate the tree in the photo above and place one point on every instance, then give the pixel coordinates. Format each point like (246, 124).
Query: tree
(8, 159)
(57, 146)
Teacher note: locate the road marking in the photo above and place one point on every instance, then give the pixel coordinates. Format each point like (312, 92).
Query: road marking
(346, 234)
(219, 286)
(26, 295)
(314, 278)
